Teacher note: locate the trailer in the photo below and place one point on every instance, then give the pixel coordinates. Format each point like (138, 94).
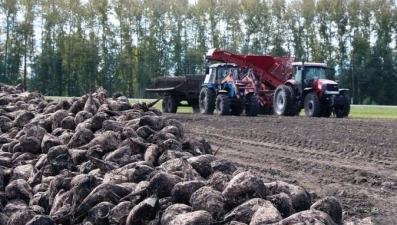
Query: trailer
(175, 90)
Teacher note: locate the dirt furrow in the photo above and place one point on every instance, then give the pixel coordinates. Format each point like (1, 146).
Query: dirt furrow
(297, 157)
(273, 162)
(352, 159)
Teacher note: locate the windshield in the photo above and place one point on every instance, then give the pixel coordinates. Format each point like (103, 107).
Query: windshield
(223, 71)
(313, 73)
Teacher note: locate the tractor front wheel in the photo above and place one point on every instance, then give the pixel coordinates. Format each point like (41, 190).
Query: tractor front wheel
(207, 101)
(251, 105)
(223, 104)
(312, 105)
(344, 109)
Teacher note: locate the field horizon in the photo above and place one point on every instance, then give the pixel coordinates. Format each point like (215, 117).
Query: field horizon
(356, 111)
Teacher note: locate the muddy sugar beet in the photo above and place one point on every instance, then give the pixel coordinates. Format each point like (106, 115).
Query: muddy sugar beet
(100, 160)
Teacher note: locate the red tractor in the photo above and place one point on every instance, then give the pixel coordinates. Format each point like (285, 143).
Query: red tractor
(286, 87)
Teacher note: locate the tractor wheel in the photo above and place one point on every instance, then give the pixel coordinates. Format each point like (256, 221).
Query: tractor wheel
(251, 105)
(343, 110)
(207, 101)
(282, 101)
(312, 105)
(223, 104)
(172, 105)
(293, 110)
(164, 104)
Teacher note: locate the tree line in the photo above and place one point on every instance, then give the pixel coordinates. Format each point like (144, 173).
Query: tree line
(68, 48)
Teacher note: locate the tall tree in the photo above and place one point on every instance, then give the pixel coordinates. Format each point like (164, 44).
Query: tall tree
(231, 35)
(10, 10)
(178, 35)
(296, 29)
(27, 35)
(326, 32)
(278, 28)
(256, 16)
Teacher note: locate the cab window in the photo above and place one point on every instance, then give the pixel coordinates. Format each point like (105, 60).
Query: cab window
(298, 75)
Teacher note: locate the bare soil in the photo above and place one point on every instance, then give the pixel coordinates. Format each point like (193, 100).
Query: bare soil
(354, 160)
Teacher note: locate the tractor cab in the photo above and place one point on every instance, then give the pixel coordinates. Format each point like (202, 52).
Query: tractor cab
(313, 77)
(217, 72)
(305, 74)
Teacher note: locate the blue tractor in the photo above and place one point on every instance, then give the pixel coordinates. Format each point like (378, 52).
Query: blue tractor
(228, 89)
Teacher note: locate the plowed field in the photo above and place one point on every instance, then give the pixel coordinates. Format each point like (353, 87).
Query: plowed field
(352, 159)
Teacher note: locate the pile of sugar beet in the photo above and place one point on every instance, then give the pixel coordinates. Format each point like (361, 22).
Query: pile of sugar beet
(97, 159)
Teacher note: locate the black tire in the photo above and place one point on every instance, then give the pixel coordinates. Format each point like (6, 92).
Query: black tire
(223, 104)
(293, 109)
(172, 105)
(312, 105)
(344, 109)
(282, 101)
(251, 105)
(164, 104)
(207, 101)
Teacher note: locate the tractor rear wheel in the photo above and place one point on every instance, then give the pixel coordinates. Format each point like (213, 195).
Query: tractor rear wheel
(207, 101)
(172, 105)
(312, 105)
(293, 110)
(164, 104)
(251, 105)
(344, 109)
(223, 104)
(282, 101)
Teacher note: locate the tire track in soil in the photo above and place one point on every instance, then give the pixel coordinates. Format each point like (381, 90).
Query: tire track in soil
(295, 157)
(354, 160)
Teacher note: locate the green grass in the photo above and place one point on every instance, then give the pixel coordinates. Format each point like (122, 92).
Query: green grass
(56, 98)
(181, 109)
(373, 111)
(356, 111)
